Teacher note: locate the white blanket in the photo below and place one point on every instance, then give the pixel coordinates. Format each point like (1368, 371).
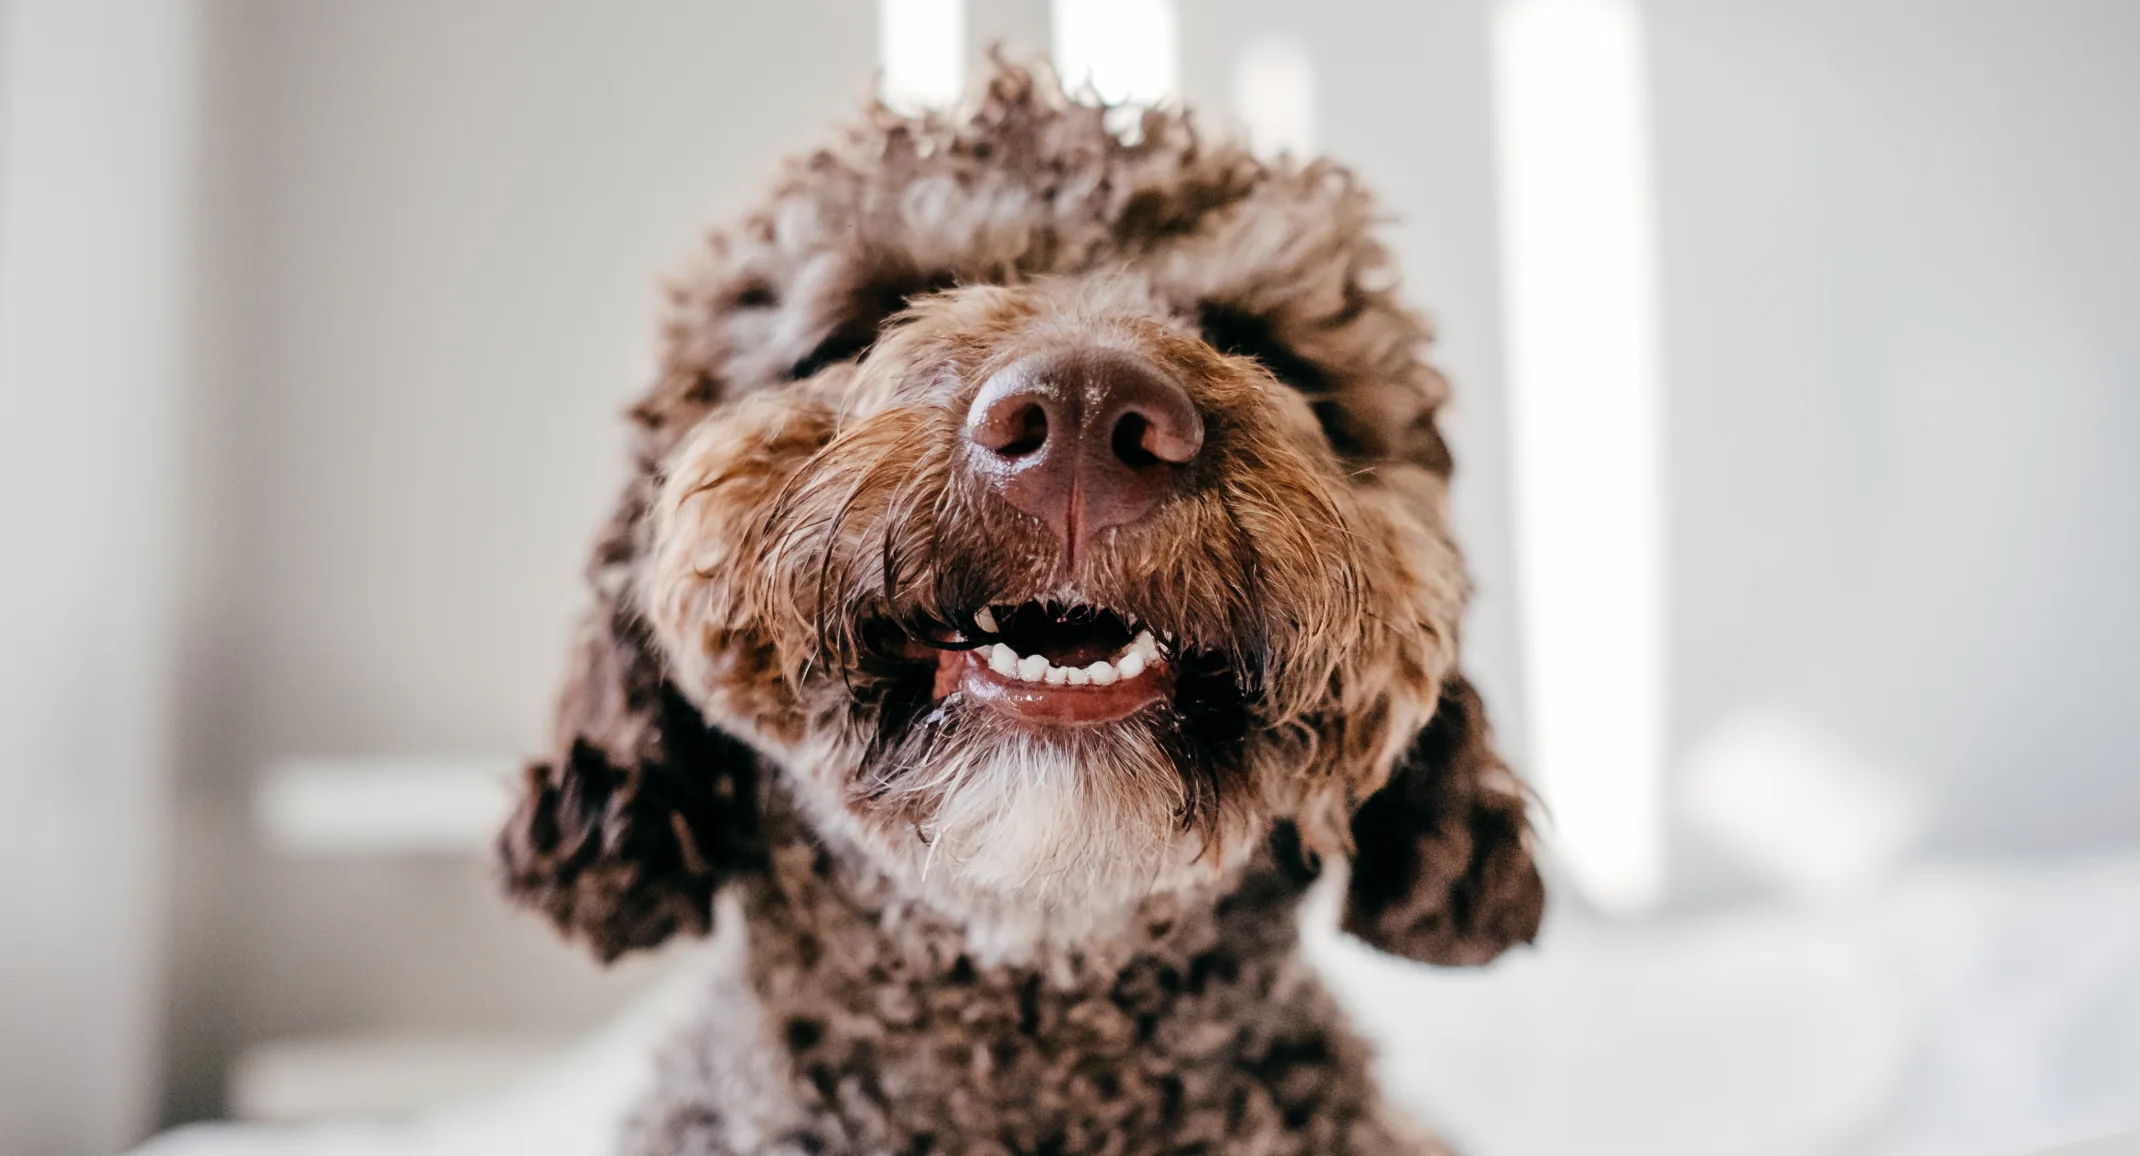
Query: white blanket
(1990, 1011)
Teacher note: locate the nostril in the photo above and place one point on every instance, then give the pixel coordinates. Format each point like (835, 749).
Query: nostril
(1132, 433)
(1012, 428)
(1028, 431)
(1164, 428)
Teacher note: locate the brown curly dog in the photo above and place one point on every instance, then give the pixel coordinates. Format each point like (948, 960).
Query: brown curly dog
(1036, 571)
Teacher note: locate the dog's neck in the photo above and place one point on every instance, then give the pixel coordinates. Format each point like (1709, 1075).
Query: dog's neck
(821, 897)
(860, 1020)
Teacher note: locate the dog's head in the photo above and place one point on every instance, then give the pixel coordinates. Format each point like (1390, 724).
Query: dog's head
(1061, 518)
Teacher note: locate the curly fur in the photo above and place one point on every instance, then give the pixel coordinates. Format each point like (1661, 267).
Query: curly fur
(957, 933)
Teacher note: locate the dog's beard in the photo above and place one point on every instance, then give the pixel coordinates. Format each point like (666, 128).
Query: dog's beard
(1074, 824)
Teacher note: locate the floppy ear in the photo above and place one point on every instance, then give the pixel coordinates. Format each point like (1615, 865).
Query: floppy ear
(1442, 870)
(622, 836)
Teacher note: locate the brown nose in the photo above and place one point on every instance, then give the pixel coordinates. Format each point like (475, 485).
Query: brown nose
(1083, 439)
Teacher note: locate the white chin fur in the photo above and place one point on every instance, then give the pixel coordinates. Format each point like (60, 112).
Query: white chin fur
(1037, 838)
(1030, 820)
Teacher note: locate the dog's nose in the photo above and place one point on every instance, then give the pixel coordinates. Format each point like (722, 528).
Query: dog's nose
(1084, 439)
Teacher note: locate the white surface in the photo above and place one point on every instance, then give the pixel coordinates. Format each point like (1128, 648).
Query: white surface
(440, 226)
(1578, 254)
(2126, 1145)
(921, 51)
(1899, 280)
(1797, 805)
(1127, 50)
(573, 1107)
(384, 806)
(296, 1080)
(1958, 1013)
(1274, 94)
(99, 101)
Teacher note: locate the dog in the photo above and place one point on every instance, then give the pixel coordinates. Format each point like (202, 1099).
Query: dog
(1035, 574)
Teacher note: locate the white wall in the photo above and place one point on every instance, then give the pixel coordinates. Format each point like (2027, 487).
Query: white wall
(96, 186)
(1901, 274)
(436, 229)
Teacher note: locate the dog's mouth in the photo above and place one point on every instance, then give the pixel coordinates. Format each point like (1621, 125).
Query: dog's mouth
(1059, 664)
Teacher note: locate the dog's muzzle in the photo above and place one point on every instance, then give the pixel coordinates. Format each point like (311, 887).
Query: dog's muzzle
(1083, 439)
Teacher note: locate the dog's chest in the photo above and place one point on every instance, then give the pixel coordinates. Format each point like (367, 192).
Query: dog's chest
(841, 1038)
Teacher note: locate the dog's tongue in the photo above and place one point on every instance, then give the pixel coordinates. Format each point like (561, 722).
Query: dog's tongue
(1076, 638)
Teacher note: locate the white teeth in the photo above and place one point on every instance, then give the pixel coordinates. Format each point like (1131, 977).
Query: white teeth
(1131, 661)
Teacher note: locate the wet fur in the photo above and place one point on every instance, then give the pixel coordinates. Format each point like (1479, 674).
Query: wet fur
(958, 935)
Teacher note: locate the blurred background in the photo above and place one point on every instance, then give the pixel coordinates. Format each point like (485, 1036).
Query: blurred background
(1797, 352)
